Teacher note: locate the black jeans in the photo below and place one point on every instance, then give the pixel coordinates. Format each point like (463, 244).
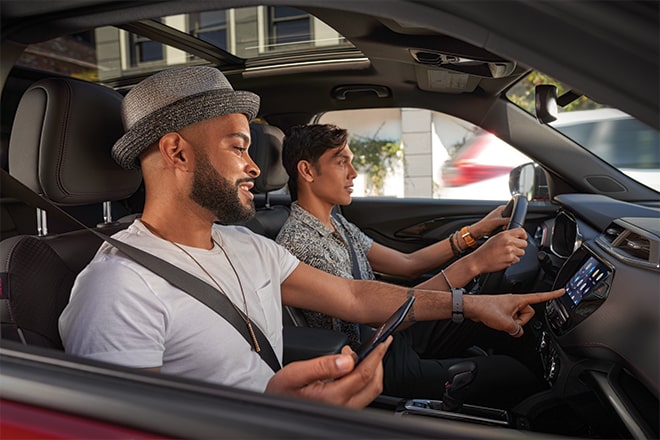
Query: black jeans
(416, 364)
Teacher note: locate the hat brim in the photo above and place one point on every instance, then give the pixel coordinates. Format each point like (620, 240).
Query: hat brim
(177, 115)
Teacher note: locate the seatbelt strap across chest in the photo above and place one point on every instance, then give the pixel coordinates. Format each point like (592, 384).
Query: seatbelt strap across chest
(195, 287)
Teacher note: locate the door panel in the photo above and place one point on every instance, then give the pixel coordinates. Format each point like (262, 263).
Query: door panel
(410, 224)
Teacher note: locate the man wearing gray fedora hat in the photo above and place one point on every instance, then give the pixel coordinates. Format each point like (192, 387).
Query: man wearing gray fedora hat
(188, 131)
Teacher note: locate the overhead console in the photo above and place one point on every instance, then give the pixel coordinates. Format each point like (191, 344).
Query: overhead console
(587, 281)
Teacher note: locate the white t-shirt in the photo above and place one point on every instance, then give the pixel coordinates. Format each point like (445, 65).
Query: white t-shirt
(122, 313)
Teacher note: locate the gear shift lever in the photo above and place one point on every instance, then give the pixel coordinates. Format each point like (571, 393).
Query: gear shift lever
(461, 376)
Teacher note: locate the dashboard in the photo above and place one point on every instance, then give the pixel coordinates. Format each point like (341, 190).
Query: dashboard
(601, 338)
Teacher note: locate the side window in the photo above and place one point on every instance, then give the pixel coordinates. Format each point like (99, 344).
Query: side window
(412, 153)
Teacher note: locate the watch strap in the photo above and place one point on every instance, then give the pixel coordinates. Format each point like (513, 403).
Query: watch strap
(467, 237)
(457, 305)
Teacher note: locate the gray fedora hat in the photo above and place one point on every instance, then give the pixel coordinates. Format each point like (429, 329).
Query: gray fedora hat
(173, 99)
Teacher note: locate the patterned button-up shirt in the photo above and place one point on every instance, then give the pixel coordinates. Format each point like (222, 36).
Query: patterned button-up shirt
(314, 243)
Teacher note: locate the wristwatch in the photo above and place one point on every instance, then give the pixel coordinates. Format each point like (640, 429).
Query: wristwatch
(457, 305)
(467, 237)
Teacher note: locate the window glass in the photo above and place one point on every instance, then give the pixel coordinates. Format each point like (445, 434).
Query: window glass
(143, 50)
(108, 53)
(74, 55)
(289, 25)
(210, 27)
(614, 136)
(411, 152)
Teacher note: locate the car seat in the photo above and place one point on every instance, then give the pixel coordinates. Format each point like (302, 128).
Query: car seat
(266, 151)
(59, 148)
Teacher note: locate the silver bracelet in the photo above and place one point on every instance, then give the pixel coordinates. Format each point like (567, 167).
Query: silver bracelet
(444, 275)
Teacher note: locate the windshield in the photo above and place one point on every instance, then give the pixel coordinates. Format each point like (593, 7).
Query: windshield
(614, 136)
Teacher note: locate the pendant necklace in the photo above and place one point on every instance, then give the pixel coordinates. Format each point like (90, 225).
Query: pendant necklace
(244, 315)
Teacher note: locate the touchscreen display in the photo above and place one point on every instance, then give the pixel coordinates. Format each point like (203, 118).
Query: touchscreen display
(586, 279)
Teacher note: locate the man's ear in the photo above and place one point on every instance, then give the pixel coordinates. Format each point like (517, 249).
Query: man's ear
(306, 171)
(176, 152)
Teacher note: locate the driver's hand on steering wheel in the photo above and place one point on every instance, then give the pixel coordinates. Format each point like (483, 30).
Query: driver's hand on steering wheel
(490, 223)
(501, 251)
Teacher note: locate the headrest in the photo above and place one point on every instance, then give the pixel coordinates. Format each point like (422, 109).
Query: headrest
(266, 151)
(61, 139)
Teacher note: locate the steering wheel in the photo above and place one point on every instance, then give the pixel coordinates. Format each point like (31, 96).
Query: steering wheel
(516, 209)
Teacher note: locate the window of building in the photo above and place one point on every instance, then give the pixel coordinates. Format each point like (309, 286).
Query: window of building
(211, 27)
(288, 25)
(143, 50)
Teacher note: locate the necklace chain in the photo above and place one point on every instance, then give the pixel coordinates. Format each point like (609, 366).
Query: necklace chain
(244, 315)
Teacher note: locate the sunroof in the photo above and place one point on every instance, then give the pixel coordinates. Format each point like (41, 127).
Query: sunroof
(224, 37)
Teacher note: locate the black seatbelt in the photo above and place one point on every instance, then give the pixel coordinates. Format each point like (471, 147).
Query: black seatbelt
(195, 287)
(355, 267)
(365, 329)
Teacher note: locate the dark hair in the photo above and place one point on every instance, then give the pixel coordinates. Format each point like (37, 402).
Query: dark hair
(308, 142)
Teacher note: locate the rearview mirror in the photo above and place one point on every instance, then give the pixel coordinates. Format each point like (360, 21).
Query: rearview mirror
(546, 103)
(530, 180)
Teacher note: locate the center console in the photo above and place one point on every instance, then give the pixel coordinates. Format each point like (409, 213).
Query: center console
(467, 413)
(587, 280)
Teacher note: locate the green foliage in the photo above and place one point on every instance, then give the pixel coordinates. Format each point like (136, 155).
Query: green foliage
(375, 158)
(522, 94)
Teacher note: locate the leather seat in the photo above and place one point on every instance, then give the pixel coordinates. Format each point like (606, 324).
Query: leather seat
(272, 209)
(60, 148)
(266, 151)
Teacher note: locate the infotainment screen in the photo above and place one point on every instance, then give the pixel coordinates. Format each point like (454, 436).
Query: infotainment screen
(586, 279)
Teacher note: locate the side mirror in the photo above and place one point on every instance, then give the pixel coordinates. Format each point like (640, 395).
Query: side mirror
(530, 180)
(546, 103)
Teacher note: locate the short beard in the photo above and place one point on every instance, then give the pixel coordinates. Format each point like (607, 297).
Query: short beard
(213, 192)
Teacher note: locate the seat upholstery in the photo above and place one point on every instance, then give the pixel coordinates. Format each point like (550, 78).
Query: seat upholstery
(60, 148)
(77, 123)
(61, 140)
(266, 151)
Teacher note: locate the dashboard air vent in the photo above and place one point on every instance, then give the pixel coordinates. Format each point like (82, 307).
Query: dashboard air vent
(631, 244)
(634, 245)
(612, 232)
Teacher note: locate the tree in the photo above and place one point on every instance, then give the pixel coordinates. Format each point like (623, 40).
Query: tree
(375, 158)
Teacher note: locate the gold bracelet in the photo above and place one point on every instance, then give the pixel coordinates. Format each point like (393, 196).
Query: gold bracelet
(467, 237)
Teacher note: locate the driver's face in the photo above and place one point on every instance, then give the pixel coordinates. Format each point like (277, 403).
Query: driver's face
(334, 175)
